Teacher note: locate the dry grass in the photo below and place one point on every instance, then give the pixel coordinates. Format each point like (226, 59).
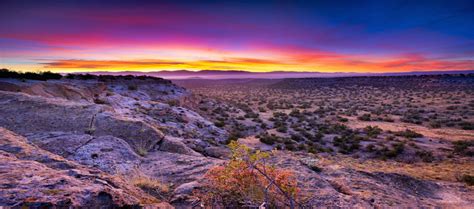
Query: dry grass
(449, 134)
(150, 184)
(448, 170)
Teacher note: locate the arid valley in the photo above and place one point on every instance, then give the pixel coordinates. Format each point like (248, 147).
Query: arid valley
(124, 141)
(262, 104)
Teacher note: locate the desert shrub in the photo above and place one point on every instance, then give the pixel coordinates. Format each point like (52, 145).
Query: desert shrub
(312, 149)
(86, 76)
(338, 128)
(466, 125)
(234, 135)
(295, 113)
(364, 117)
(388, 119)
(397, 149)
(151, 186)
(251, 115)
(290, 147)
(463, 147)
(247, 181)
(347, 143)
(435, 124)
(370, 148)
(372, 131)
(282, 129)
(451, 107)
(173, 102)
(412, 116)
(296, 137)
(301, 146)
(5, 73)
(342, 119)
(99, 101)
(219, 123)
(426, 156)
(268, 139)
(408, 134)
(468, 179)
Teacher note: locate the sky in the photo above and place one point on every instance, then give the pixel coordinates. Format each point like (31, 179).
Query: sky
(258, 36)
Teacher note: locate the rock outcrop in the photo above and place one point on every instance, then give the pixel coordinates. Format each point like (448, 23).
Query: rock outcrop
(83, 143)
(32, 177)
(141, 117)
(107, 127)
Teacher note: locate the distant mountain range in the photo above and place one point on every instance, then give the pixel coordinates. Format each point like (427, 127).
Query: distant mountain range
(215, 74)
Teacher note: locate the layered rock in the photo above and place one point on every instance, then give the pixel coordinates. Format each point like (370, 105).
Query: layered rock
(119, 131)
(30, 176)
(142, 116)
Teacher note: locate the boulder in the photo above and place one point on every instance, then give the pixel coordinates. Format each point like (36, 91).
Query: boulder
(175, 145)
(32, 177)
(141, 136)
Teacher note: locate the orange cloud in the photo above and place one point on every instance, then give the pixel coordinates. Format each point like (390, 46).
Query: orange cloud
(308, 63)
(104, 64)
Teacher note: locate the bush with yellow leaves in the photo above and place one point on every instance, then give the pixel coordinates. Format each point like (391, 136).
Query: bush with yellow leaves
(246, 180)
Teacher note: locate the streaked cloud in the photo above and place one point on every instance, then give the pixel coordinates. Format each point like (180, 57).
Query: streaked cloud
(146, 36)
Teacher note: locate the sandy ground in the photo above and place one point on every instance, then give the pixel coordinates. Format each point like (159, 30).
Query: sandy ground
(448, 134)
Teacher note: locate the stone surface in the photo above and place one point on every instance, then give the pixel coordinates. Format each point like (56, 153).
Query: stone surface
(175, 145)
(85, 137)
(30, 176)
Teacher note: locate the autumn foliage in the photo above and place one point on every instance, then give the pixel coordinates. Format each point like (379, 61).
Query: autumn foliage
(247, 181)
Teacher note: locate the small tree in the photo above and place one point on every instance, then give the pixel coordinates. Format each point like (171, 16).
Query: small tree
(247, 181)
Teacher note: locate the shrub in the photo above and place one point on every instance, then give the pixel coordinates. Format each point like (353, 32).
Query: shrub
(370, 148)
(99, 101)
(219, 124)
(347, 143)
(397, 149)
(426, 156)
(412, 116)
(282, 129)
(301, 146)
(467, 125)
(251, 115)
(435, 124)
(290, 147)
(173, 102)
(296, 137)
(5, 73)
(342, 119)
(463, 147)
(150, 185)
(295, 113)
(247, 181)
(365, 117)
(233, 136)
(268, 139)
(408, 134)
(468, 179)
(372, 131)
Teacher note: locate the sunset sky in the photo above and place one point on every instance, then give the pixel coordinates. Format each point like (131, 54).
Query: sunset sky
(340, 36)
